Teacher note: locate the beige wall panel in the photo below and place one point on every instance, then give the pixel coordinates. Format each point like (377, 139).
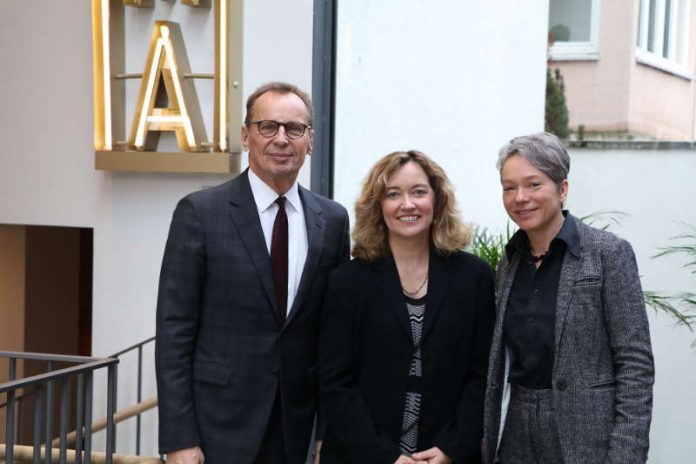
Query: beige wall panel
(667, 113)
(598, 91)
(12, 271)
(12, 266)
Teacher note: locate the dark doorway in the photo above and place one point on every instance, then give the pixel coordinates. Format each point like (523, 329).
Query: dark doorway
(52, 313)
(58, 292)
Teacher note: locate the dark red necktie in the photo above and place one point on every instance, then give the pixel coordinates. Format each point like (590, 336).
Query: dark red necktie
(279, 256)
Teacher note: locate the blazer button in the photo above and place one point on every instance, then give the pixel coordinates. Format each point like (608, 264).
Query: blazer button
(562, 384)
(274, 372)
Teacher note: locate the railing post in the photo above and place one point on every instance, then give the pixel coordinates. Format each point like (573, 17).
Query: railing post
(13, 369)
(140, 398)
(20, 418)
(9, 419)
(49, 414)
(38, 419)
(88, 419)
(64, 418)
(78, 418)
(114, 405)
(139, 347)
(110, 407)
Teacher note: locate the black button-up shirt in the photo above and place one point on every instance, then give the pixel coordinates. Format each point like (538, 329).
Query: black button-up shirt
(530, 316)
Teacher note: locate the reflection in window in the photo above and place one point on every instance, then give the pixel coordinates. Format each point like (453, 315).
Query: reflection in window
(574, 29)
(570, 20)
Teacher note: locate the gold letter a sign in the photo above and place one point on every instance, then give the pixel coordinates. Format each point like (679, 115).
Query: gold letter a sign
(169, 107)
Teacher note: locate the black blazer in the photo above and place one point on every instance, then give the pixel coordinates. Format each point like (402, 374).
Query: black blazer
(365, 355)
(222, 351)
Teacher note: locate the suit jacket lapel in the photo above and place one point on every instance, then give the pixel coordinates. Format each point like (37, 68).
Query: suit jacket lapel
(569, 272)
(389, 291)
(439, 281)
(506, 277)
(315, 242)
(244, 215)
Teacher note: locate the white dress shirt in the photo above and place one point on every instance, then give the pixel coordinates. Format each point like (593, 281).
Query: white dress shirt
(265, 198)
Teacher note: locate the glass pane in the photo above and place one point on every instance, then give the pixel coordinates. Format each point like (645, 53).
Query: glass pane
(640, 24)
(679, 37)
(570, 20)
(651, 25)
(667, 32)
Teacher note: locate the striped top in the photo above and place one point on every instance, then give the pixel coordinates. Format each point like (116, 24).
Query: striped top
(408, 443)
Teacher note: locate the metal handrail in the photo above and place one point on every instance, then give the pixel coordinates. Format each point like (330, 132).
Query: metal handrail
(43, 403)
(131, 348)
(88, 362)
(54, 375)
(139, 393)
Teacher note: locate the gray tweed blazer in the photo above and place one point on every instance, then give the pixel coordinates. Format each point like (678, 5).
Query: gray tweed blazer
(603, 369)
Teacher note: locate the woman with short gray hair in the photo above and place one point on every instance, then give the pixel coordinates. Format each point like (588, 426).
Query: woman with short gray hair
(571, 369)
(543, 151)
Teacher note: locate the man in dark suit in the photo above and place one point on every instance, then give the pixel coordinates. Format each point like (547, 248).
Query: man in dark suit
(243, 277)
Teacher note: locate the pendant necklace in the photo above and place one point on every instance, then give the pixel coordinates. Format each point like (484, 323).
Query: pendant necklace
(415, 292)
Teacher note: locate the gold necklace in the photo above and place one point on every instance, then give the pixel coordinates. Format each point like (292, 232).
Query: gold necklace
(414, 293)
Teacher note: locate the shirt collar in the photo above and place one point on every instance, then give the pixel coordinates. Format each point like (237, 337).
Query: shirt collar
(568, 234)
(265, 196)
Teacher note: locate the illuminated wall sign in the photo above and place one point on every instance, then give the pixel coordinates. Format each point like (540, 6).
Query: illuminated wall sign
(167, 102)
(182, 113)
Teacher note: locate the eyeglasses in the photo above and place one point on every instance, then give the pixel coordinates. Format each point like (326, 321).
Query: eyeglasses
(293, 129)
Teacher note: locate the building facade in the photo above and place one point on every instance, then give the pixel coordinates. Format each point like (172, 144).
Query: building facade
(629, 66)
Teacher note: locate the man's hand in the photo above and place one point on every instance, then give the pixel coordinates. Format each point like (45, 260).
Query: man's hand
(432, 456)
(186, 456)
(406, 460)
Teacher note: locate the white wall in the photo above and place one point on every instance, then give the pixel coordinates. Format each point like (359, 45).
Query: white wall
(657, 190)
(454, 79)
(47, 173)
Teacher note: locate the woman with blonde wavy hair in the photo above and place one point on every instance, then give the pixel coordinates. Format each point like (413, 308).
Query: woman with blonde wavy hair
(406, 326)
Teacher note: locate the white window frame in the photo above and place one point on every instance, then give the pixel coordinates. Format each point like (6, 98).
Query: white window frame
(581, 51)
(679, 33)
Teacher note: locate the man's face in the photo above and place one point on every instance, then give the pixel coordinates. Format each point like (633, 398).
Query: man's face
(277, 159)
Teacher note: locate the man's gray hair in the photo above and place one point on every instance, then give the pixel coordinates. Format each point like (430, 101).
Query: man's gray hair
(544, 151)
(281, 88)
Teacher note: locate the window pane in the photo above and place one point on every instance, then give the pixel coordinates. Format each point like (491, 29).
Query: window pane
(667, 33)
(651, 25)
(569, 20)
(640, 24)
(681, 18)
